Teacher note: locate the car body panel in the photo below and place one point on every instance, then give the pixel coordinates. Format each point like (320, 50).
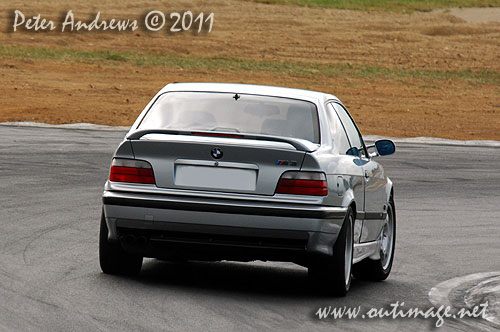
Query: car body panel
(177, 163)
(375, 200)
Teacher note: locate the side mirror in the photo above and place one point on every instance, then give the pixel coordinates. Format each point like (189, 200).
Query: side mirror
(385, 147)
(354, 151)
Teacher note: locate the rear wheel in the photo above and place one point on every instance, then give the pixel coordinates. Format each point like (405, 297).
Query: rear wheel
(112, 258)
(380, 269)
(333, 274)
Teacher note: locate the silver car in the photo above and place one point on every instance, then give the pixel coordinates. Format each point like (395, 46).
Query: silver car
(246, 172)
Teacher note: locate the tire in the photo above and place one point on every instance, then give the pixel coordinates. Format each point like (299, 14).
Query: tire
(378, 270)
(112, 258)
(333, 273)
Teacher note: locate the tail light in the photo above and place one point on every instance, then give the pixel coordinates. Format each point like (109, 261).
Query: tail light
(303, 183)
(130, 170)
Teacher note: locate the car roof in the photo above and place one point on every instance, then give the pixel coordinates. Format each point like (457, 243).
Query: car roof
(313, 96)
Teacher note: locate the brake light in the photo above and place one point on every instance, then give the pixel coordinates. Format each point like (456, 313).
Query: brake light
(130, 170)
(218, 135)
(303, 183)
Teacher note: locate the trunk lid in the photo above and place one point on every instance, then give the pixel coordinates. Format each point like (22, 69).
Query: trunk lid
(223, 164)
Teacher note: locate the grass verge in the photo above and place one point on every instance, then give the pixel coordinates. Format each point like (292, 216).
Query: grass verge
(389, 5)
(238, 64)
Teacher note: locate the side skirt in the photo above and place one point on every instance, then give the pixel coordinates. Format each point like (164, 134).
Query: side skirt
(366, 249)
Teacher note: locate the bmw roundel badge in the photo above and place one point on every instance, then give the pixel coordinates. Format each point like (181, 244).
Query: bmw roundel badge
(216, 153)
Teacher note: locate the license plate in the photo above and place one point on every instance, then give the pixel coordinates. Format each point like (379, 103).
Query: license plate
(215, 177)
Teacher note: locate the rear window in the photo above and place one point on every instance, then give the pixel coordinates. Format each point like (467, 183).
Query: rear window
(229, 112)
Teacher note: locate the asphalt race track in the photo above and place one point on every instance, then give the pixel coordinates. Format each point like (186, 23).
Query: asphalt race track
(51, 180)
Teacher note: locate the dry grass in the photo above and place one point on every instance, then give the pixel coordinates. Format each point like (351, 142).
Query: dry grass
(389, 5)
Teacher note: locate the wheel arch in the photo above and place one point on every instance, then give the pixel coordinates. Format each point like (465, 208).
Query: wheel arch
(352, 205)
(349, 199)
(389, 190)
(350, 202)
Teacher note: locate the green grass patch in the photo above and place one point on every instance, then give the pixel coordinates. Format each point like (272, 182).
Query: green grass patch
(236, 65)
(389, 5)
(59, 54)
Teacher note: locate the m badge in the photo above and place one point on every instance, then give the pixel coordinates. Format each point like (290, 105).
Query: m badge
(286, 163)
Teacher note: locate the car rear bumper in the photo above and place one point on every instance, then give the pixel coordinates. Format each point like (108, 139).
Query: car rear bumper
(203, 228)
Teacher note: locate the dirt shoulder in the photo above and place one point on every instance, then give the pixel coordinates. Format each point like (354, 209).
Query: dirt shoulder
(402, 75)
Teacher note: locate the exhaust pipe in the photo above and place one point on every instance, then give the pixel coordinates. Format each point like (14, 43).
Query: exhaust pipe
(132, 240)
(129, 239)
(141, 240)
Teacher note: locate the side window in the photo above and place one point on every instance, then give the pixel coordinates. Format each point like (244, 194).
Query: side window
(350, 128)
(337, 132)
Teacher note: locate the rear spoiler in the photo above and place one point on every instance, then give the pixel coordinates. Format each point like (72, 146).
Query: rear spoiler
(298, 144)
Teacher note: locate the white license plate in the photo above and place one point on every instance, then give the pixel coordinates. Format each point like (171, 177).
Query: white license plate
(215, 177)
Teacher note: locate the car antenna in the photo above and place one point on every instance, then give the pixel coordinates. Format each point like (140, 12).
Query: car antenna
(236, 97)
